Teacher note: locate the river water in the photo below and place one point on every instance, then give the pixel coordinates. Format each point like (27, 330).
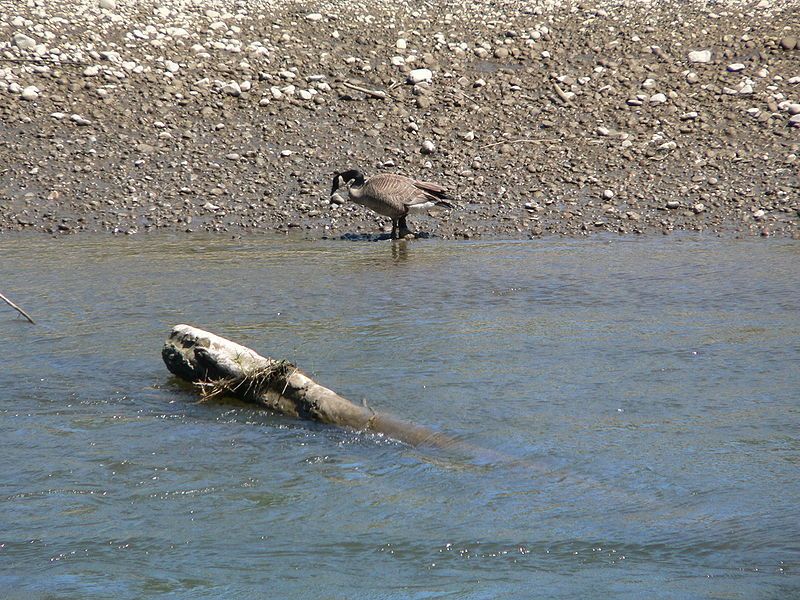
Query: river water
(631, 409)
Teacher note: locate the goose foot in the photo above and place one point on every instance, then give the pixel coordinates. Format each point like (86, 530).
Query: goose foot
(405, 232)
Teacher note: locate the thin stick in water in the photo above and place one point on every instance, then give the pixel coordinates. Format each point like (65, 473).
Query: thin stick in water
(17, 308)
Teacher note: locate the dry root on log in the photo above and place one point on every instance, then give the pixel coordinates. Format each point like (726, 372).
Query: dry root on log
(218, 366)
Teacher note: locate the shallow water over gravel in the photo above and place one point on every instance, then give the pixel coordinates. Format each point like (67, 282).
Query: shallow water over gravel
(633, 406)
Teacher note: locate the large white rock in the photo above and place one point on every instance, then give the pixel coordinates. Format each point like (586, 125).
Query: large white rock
(23, 42)
(700, 56)
(30, 93)
(420, 75)
(232, 89)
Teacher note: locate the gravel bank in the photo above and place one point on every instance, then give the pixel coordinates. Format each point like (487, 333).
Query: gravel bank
(540, 117)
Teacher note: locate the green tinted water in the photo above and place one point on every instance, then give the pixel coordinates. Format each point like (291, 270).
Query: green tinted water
(645, 393)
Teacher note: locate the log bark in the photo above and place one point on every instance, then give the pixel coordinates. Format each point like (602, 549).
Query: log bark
(218, 366)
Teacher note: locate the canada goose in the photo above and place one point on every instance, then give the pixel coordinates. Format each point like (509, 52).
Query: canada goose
(391, 195)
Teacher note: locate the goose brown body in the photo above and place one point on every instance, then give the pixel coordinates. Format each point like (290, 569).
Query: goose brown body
(392, 195)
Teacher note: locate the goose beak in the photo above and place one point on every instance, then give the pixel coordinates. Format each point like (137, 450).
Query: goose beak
(337, 183)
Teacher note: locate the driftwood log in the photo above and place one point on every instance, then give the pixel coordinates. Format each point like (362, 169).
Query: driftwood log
(220, 367)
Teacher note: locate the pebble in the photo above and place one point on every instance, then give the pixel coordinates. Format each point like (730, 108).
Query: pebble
(794, 121)
(314, 17)
(692, 77)
(608, 194)
(501, 53)
(759, 214)
(658, 99)
(23, 42)
(735, 67)
(794, 109)
(91, 71)
(698, 208)
(30, 93)
(420, 75)
(673, 204)
(428, 147)
(700, 56)
(789, 42)
(401, 44)
(232, 89)
(80, 121)
(108, 4)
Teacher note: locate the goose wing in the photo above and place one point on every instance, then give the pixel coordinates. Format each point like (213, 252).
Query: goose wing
(429, 186)
(433, 193)
(396, 190)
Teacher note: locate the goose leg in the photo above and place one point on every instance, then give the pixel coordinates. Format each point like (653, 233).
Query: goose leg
(394, 229)
(404, 230)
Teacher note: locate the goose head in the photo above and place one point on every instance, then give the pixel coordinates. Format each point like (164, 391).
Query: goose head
(346, 179)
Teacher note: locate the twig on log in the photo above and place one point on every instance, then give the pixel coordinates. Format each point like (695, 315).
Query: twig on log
(524, 141)
(17, 308)
(374, 93)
